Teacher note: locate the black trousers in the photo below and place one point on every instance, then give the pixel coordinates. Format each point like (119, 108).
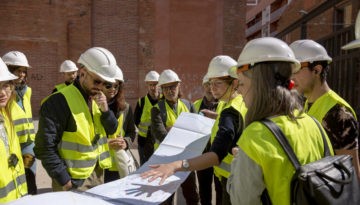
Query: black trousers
(189, 190)
(110, 176)
(205, 179)
(30, 181)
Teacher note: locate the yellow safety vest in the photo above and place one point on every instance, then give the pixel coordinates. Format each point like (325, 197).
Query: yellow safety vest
(223, 169)
(119, 131)
(145, 120)
(12, 179)
(60, 86)
(22, 119)
(198, 104)
(171, 116)
(219, 107)
(261, 146)
(82, 149)
(324, 104)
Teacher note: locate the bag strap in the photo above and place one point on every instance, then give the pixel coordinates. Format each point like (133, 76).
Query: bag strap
(163, 113)
(279, 135)
(326, 146)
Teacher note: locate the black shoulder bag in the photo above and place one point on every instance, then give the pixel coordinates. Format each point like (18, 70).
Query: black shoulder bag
(330, 180)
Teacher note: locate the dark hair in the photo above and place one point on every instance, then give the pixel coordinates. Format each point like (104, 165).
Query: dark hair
(13, 68)
(120, 103)
(325, 69)
(270, 96)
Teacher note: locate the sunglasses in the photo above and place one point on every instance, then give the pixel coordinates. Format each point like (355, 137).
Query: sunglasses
(109, 85)
(170, 87)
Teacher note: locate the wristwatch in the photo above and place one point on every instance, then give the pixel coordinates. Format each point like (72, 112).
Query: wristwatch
(185, 164)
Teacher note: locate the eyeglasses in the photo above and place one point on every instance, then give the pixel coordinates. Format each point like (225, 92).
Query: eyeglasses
(170, 87)
(109, 85)
(218, 83)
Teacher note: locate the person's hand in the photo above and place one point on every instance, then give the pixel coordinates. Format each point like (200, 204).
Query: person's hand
(100, 100)
(168, 128)
(209, 113)
(28, 160)
(67, 186)
(117, 143)
(235, 151)
(162, 170)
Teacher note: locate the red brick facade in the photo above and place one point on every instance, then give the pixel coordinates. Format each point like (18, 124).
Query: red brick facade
(143, 35)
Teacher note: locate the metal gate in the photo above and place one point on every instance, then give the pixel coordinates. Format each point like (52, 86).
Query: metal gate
(344, 72)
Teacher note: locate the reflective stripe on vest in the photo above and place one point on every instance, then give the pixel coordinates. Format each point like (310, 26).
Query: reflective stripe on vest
(223, 170)
(22, 119)
(60, 86)
(11, 186)
(261, 146)
(324, 104)
(73, 163)
(82, 149)
(119, 131)
(12, 180)
(145, 120)
(171, 116)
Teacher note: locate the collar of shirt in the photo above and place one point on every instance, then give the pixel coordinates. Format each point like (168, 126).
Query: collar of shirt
(152, 101)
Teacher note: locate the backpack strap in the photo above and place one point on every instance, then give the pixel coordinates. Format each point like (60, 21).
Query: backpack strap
(326, 146)
(163, 113)
(279, 135)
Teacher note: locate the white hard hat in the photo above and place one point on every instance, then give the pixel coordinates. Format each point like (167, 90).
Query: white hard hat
(220, 66)
(152, 76)
(16, 58)
(356, 42)
(119, 74)
(5, 75)
(205, 79)
(101, 62)
(309, 51)
(68, 66)
(168, 76)
(267, 49)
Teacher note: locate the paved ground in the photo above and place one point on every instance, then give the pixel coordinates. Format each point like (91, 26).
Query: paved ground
(43, 180)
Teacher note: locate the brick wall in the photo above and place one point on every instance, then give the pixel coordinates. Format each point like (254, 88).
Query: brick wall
(188, 34)
(48, 32)
(115, 26)
(143, 35)
(234, 27)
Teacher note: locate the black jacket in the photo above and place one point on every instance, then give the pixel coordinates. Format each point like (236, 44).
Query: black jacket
(55, 118)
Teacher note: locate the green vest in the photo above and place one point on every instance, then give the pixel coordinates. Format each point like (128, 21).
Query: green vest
(171, 116)
(145, 120)
(12, 180)
(22, 119)
(261, 146)
(324, 104)
(82, 149)
(223, 169)
(119, 131)
(60, 86)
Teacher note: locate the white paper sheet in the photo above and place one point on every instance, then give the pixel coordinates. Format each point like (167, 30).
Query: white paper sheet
(187, 139)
